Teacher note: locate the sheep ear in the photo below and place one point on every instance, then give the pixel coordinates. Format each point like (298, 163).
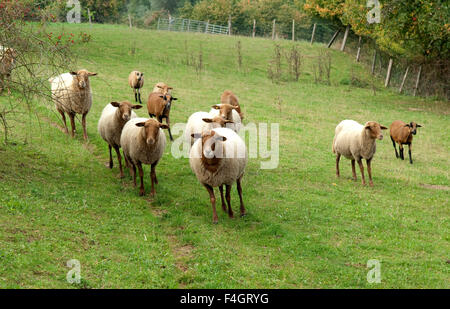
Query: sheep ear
(136, 106)
(163, 126)
(407, 125)
(161, 96)
(418, 126)
(169, 88)
(196, 135)
(73, 73)
(142, 74)
(220, 138)
(383, 127)
(140, 124)
(158, 86)
(207, 120)
(115, 104)
(216, 106)
(174, 99)
(92, 74)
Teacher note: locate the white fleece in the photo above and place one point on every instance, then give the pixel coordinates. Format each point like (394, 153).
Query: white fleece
(353, 141)
(196, 125)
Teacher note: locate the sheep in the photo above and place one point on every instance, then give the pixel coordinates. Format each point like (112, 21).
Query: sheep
(114, 116)
(158, 105)
(143, 142)
(402, 133)
(7, 63)
(356, 142)
(229, 112)
(136, 82)
(201, 122)
(162, 88)
(71, 93)
(219, 158)
(228, 97)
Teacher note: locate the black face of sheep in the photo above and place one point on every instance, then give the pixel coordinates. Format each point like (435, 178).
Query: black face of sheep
(139, 76)
(413, 127)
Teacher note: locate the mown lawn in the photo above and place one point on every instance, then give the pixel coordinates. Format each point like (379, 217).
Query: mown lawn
(304, 228)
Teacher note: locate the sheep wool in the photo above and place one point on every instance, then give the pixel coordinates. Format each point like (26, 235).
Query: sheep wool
(110, 127)
(67, 97)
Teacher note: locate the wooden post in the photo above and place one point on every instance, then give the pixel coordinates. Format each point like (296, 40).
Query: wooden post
(345, 37)
(313, 33)
(206, 27)
(229, 25)
(374, 61)
(189, 25)
(358, 54)
(388, 75)
(293, 30)
(417, 81)
(89, 15)
(404, 79)
(254, 28)
(273, 29)
(129, 20)
(333, 38)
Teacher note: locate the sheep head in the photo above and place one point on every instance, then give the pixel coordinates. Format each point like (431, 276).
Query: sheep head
(412, 126)
(82, 77)
(220, 121)
(139, 75)
(125, 108)
(374, 129)
(226, 110)
(151, 130)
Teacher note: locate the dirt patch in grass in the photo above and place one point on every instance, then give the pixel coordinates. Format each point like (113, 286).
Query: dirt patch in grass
(435, 187)
(182, 253)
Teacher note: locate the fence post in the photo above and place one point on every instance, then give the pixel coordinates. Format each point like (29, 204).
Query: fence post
(404, 79)
(254, 27)
(417, 80)
(333, 38)
(189, 25)
(347, 29)
(159, 19)
(358, 54)
(206, 27)
(89, 15)
(313, 33)
(293, 30)
(374, 61)
(129, 19)
(273, 29)
(388, 74)
(229, 25)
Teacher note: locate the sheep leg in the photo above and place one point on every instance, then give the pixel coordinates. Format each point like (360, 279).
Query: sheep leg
(230, 211)
(213, 202)
(133, 172)
(141, 175)
(153, 178)
(393, 143)
(369, 171)
(139, 95)
(153, 168)
(354, 170)
(338, 157)
(224, 207)
(111, 164)
(83, 122)
(64, 121)
(72, 123)
(239, 188)
(135, 95)
(409, 151)
(119, 158)
(400, 146)
(361, 167)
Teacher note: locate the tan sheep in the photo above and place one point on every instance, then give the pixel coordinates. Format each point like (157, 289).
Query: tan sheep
(136, 82)
(162, 88)
(228, 97)
(158, 105)
(402, 134)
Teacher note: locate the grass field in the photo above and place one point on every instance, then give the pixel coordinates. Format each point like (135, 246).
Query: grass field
(304, 229)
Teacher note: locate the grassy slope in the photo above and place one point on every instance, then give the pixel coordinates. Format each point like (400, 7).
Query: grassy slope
(305, 228)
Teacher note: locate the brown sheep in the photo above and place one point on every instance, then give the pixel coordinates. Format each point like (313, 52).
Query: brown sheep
(158, 105)
(228, 97)
(7, 63)
(402, 133)
(162, 88)
(136, 82)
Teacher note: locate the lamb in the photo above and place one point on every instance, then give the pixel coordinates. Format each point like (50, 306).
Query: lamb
(356, 142)
(158, 105)
(202, 122)
(162, 88)
(219, 158)
(72, 94)
(136, 82)
(229, 112)
(402, 133)
(114, 116)
(7, 63)
(228, 97)
(143, 142)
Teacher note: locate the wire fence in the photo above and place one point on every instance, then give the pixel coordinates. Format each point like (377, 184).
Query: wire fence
(189, 25)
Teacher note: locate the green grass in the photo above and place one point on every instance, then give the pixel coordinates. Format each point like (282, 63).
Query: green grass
(304, 229)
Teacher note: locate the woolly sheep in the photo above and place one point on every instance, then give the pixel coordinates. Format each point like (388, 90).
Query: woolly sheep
(114, 116)
(7, 63)
(72, 94)
(402, 133)
(356, 142)
(162, 88)
(228, 112)
(228, 97)
(143, 142)
(202, 122)
(136, 82)
(158, 105)
(219, 158)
